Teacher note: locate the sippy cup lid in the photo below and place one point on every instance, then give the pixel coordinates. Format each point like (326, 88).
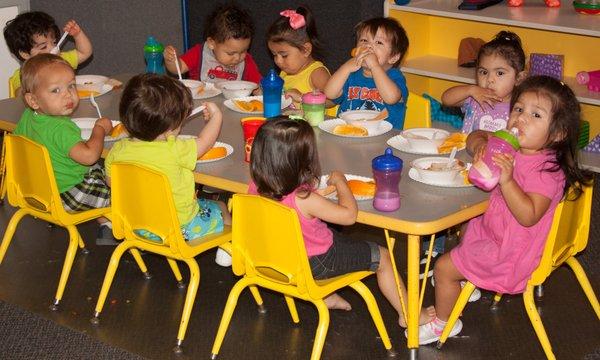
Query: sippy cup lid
(314, 97)
(152, 45)
(509, 136)
(387, 161)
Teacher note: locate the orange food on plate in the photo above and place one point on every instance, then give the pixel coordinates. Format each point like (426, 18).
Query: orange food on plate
(465, 176)
(118, 130)
(252, 105)
(87, 93)
(216, 152)
(350, 130)
(200, 89)
(362, 188)
(457, 140)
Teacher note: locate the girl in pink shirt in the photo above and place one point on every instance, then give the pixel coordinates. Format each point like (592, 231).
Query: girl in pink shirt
(500, 249)
(284, 166)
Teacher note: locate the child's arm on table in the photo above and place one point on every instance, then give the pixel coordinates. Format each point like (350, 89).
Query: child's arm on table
(209, 134)
(83, 45)
(342, 213)
(527, 208)
(388, 90)
(170, 55)
(335, 84)
(456, 95)
(88, 152)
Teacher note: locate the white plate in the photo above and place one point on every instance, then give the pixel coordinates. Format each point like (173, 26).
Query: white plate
(333, 195)
(329, 125)
(354, 115)
(209, 91)
(228, 147)
(400, 143)
(87, 124)
(458, 181)
(105, 88)
(285, 102)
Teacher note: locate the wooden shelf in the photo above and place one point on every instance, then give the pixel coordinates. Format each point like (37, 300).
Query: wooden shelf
(534, 15)
(447, 69)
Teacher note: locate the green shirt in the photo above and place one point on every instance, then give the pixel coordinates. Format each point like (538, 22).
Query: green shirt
(58, 134)
(176, 158)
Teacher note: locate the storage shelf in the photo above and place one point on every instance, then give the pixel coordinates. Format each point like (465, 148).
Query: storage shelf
(447, 69)
(534, 15)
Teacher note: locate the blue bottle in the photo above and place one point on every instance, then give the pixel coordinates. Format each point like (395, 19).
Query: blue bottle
(272, 86)
(153, 54)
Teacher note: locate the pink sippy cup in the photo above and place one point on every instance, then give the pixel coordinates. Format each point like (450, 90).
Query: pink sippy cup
(313, 105)
(386, 172)
(485, 174)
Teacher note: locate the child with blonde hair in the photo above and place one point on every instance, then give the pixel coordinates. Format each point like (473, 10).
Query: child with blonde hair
(51, 96)
(501, 248)
(371, 80)
(35, 32)
(153, 109)
(224, 55)
(284, 166)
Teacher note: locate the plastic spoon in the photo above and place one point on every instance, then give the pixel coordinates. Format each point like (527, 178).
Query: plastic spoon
(55, 50)
(450, 162)
(93, 101)
(197, 110)
(177, 65)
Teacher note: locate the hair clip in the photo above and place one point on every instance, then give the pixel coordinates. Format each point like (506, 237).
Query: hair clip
(295, 117)
(562, 83)
(296, 20)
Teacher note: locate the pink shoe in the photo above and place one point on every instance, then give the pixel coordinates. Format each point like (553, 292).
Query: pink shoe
(515, 3)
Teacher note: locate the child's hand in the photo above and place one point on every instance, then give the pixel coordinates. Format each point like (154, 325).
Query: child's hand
(210, 111)
(351, 65)
(479, 151)
(294, 94)
(335, 178)
(368, 58)
(506, 164)
(170, 54)
(484, 96)
(72, 28)
(105, 124)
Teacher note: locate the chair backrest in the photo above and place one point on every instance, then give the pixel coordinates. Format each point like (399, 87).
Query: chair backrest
(141, 199)
(267, 242)
(568, 234)
(30, 181)
(11, 90)
(418, 112)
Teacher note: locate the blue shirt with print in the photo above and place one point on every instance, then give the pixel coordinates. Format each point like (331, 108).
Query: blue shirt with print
(360, 93)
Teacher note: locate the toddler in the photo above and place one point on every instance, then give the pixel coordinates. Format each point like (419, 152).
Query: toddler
(35, 32)
(153, 109)
(501, 248)
(48, 87)
(224, 55)
(284, 166)
(293, 41)
(372, 80)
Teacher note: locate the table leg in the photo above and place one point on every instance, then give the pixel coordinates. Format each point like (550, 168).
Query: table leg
(412, 288)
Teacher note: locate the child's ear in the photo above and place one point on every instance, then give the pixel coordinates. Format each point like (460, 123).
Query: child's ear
(394, 58)
(211, 43)
(31, 100)
(307, 48)
(521, 76)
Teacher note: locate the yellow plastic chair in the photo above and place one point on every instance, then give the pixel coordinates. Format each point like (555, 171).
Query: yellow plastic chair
(268, 251)
(568, 236)
(418, 112)
(141, 198)
(32, 188)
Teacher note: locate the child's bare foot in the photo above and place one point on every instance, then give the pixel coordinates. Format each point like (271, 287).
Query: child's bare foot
(336, 302)
(427, 315)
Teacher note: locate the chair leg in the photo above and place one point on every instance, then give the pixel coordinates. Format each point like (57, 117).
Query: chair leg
(66, 270)
(140, 263)
(461, 302)
(228, 313)
(585, 284)
(259, 301)
(81, 244)
(3, 168)
(367, 295)
(113, 264)
(292, 307)
(189, 301)
(10, 231)
(176, 272)
(495, 303)
(321, 333)
(536, 322)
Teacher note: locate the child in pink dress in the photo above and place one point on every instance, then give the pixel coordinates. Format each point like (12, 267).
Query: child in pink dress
(501, 248)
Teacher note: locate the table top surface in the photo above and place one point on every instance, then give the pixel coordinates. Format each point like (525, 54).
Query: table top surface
(424, 209)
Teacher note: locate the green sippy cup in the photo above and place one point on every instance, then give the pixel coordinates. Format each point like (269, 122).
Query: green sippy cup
(313, 106)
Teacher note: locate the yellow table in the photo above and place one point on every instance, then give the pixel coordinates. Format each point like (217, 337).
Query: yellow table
(425, 209)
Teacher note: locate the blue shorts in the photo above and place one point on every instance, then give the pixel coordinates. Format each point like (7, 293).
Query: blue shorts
(208, 220)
